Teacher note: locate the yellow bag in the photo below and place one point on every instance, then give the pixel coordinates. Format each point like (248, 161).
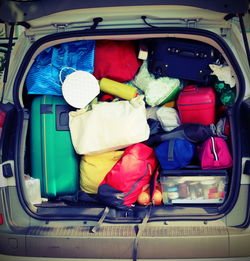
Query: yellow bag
(93, 169)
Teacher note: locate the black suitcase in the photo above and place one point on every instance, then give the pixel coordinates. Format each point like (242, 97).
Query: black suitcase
(180, 58)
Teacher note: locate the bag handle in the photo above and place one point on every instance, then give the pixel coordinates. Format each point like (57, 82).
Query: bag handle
(190, 88)
(216, 158)
(60, 73)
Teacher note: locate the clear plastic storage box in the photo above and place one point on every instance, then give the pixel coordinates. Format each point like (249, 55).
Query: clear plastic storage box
(194, 188)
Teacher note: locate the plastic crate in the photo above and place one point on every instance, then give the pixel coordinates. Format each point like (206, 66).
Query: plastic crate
(194, 187)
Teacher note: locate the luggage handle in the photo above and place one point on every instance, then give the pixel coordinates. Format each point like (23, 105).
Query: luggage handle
(192, 54)
(62, 117)
(187, 53)
(190, 88)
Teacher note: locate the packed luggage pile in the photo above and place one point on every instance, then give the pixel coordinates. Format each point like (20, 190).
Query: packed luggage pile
(131, 122)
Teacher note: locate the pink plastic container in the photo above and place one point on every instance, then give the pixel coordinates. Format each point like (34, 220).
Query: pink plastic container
(197, 105)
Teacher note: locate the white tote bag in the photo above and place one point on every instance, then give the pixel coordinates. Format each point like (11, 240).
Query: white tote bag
(109, 126)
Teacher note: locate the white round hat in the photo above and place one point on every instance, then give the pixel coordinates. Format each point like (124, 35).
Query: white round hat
(80, 88)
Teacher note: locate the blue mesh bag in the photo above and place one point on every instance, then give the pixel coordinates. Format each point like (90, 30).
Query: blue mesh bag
(43, 76)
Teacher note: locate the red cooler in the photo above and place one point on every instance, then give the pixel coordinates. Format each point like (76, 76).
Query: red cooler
(197, 105)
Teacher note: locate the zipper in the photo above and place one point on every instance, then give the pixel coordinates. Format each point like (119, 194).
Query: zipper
(45, 150)
(148, 168)
(216, 158)
(195, 104)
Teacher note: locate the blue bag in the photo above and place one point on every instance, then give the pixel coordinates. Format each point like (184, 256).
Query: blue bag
(182, 59)
(175, 153)
(43, 76)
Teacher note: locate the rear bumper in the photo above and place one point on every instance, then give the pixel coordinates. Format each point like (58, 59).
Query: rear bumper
(20, 258)
(117, 242)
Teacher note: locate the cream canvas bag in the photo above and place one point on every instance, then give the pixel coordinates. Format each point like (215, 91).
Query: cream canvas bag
(109, 126)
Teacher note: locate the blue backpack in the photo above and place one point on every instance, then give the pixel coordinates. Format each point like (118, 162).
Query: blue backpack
(175, 153)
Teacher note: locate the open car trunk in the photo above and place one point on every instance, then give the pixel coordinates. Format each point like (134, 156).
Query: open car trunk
(192, 206)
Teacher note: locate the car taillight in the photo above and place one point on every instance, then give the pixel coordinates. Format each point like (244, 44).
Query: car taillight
(1, 219)
(2, 119)
(7, 131)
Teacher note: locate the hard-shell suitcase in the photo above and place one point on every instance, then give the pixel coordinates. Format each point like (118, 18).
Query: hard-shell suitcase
(197, 105)
(183, 59)
(53, 159)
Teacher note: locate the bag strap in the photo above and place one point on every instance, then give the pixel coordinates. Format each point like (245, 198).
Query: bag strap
(152, 184)
(171, 150)
(99, 223)
(140, 229)
(216, 158)
(60, 73)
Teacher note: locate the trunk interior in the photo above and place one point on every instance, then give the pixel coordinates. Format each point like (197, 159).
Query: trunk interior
(183, 189)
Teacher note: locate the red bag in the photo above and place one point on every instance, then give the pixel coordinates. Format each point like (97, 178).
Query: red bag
(116, 60)
(214, 154)
(125, 181)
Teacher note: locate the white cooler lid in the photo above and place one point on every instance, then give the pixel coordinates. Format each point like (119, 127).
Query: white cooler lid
(80, 88)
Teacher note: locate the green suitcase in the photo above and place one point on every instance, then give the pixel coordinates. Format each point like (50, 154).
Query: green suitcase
(53, 159)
